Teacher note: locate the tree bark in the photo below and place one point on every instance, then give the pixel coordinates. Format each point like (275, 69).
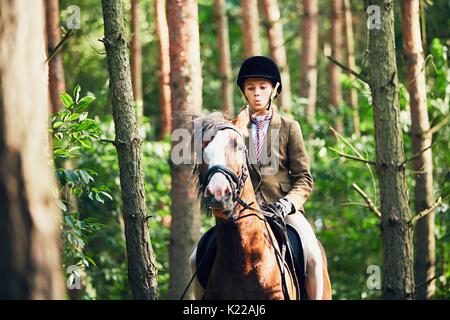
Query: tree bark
(223, 43)
(396, 229)
(136, 59)
(142, 270)
(250, 28)
(186, 86)
(425, 259)
(164, 71)
(350, 59)
(30, 266)
(274, 30)
(310, 38)
(56, 81)
(334, 70)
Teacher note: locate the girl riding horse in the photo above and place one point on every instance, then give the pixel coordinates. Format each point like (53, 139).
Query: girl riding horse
(278, 168)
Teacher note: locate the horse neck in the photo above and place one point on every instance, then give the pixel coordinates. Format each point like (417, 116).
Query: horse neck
(244, 241)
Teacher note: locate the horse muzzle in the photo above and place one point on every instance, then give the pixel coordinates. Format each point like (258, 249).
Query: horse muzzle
(224, 204)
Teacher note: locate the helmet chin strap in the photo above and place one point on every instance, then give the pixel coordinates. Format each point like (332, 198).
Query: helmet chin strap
(272, 95)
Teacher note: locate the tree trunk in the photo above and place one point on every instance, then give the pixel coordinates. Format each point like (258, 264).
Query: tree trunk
(350, 59)
(164, 71)
(396, 229)
(223, 44)
(250, 27)
(136, 59)
(186, 86)
(29, 217)
(142, 271)
(334, 70)
(310, 38)
(425, 259)
(56, 81)
(274, 30)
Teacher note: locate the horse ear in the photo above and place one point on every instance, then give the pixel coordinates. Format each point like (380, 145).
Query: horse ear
(241, 121)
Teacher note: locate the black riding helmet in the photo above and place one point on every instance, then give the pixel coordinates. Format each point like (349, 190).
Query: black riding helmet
(259, 67)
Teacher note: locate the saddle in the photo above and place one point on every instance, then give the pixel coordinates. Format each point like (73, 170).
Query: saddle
(206, 253)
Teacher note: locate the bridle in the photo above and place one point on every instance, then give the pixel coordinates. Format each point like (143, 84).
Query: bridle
(236, 183)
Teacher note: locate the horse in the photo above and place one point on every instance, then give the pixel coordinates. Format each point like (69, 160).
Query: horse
(249, 261)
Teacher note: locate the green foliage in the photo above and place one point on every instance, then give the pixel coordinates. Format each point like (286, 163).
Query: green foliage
(348, 231)
(72, 130)
(438, 78)
(74, 134)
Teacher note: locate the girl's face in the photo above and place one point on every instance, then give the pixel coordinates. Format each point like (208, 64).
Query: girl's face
(258, 91)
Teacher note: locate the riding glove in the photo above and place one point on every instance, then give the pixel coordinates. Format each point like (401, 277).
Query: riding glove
(285, 207)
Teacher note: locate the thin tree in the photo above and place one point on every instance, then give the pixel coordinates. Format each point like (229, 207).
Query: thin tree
(186, 89)
(310, 40)
(274, 31)
(334, 70)
(56, 81)
(350, 59)
(223, 43)
(162, 32)
(425, 258)
(390, 158)
(30, 266)
(136, 59)
(250, 27)
(142, 270)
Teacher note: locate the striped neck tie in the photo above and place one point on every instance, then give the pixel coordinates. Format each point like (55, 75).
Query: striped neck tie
(260, 133)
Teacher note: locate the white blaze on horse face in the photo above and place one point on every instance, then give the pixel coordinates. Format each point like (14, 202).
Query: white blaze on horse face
(215, 150)
(215, 153)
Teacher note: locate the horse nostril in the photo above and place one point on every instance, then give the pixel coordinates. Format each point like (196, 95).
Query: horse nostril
(227, 190)
(207, 192)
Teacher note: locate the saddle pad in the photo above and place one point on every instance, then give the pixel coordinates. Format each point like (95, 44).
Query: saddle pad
(206, 253)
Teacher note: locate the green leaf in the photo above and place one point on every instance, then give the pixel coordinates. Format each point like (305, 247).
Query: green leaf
(69, 221)
(66, 99)
(101, 188)
(76, 92)
(71, 175)
(74, 116)
(106, 194)
(59, 152)
(61, 205)
(91, 260)
(58, 124)
(82, 126)
(84, 103)
(90, 220)
(85, 262)
(83, 116)
(98, 198)
(85, 176)
(59, 135)
(71, 150)
(86, 144)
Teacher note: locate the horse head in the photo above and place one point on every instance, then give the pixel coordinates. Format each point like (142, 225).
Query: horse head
(222, 163)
